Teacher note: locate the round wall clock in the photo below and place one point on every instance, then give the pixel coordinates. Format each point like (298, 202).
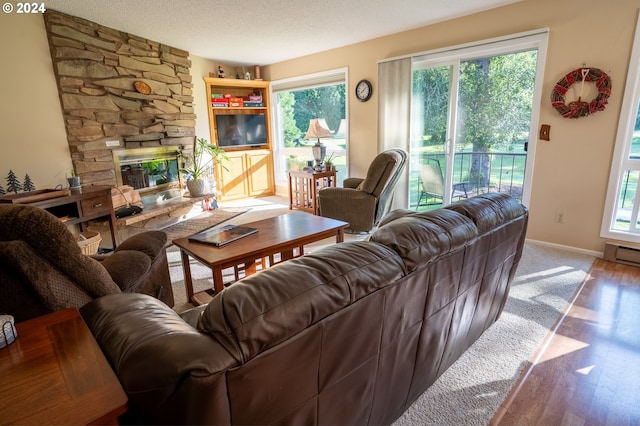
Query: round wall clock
(364, 90)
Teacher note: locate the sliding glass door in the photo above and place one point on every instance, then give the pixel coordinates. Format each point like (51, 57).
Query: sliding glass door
(472, 123)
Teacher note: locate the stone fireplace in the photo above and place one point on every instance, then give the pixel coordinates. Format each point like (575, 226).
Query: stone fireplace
(122, 97)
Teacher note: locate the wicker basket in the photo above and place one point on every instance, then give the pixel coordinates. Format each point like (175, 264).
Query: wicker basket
(89, 242)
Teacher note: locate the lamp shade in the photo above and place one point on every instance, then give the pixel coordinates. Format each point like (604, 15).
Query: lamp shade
(318, 129)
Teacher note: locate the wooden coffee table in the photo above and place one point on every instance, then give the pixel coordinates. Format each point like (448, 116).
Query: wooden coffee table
(285, 235)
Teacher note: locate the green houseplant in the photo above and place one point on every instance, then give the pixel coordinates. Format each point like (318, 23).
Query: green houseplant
(198, 163)
(328, 162)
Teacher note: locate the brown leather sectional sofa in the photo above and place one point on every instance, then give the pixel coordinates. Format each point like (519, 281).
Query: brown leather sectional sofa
(351, 334)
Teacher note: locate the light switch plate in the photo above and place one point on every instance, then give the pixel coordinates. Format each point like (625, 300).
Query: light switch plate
(545, 132)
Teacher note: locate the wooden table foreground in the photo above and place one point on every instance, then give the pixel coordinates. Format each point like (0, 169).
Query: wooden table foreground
(55, 374)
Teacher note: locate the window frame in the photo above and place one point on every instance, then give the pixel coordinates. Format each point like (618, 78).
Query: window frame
(621, 162)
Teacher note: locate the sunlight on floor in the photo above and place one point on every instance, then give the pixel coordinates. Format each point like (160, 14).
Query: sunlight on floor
(263, 203)
(563, 345)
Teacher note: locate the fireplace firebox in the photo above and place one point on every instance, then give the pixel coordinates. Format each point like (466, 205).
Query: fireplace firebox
(148, 169)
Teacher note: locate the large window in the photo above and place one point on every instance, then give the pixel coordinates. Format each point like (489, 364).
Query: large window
(620, 220)
(295, 103)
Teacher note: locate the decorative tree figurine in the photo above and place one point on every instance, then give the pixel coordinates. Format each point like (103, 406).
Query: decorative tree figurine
(2, 191)
(28, 185)
(13, 184)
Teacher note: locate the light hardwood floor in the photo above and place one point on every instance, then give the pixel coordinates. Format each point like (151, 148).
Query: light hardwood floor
(587, 372)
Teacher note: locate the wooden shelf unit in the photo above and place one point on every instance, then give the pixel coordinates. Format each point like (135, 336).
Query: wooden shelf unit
(81, 205)
(250, 173)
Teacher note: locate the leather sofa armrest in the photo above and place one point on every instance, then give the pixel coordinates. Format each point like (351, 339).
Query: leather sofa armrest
(154, 353)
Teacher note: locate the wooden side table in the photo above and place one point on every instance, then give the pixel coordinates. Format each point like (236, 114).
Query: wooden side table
(304, 187)
(55, 373)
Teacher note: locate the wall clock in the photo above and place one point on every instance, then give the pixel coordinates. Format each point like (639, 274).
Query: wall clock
(364, 90)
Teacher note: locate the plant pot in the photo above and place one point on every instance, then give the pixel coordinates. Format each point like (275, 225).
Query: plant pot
(74, 182)
(196, 187)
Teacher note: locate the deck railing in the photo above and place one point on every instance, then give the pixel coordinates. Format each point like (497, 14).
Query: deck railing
(491, 172)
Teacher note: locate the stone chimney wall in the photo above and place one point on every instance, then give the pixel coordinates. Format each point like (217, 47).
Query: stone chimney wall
(103, 78)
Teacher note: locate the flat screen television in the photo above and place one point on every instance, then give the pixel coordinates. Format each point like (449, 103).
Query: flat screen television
(241, 130)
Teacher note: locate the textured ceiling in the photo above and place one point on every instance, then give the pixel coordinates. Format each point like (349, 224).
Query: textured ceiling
(262, 32)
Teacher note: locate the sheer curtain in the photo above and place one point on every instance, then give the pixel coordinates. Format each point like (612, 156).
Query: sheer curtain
(394, 108)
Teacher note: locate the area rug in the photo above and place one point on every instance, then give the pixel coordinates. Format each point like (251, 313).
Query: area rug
(199, 223)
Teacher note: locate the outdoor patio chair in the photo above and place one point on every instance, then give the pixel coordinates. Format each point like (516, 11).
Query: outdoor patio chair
(432, 184)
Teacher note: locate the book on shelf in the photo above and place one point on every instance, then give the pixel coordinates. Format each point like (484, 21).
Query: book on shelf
(251, 104)
(220, 104)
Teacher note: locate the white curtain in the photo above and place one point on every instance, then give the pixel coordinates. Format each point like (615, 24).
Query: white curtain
(394, 108)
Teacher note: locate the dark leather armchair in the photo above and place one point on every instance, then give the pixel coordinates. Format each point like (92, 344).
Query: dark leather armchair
(42, 268)
(363, 202)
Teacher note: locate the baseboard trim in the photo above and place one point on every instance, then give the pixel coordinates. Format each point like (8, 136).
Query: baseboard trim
(593, 253)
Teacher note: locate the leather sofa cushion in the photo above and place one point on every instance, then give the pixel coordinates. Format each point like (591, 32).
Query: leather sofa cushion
(419, 237)
(488, 210)
(273, 305)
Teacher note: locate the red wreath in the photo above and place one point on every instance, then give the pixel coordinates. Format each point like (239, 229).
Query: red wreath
(579, 108)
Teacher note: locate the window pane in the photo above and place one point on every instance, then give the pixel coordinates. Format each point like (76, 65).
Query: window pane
(429, 120)
(634, 151)
(628, 189)
(296, 109)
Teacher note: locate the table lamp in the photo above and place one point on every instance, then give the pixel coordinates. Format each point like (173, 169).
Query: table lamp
(318, 129)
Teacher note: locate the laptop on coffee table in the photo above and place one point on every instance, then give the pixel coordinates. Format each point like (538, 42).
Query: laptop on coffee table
(223, 235)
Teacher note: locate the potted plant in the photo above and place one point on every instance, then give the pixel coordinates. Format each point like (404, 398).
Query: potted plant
(328, 162)
(73, 179)
(198, 163)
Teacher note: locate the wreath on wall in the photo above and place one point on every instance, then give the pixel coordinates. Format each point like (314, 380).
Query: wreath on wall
(580, 108)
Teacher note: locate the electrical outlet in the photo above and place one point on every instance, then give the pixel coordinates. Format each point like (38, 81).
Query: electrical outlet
(559, 217)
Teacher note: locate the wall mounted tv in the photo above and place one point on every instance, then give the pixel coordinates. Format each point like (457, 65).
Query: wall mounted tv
(241, 130)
